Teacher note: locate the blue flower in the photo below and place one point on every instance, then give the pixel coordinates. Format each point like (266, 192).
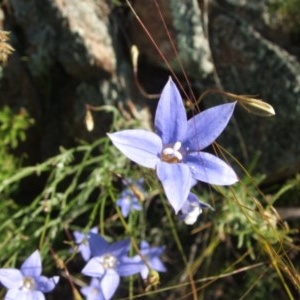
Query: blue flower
(191, 209)
(27, 283)
(175, 150)
(152, 257)
(93, 291)
(109, 262)
(81, 240)
(129, 200)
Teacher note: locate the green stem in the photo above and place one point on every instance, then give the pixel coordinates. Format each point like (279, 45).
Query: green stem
(180, 248)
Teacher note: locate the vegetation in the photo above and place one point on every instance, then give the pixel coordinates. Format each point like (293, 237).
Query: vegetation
(242, 243)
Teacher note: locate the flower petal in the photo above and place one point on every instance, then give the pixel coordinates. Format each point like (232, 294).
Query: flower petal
(170, 117)
(81, 236)
(136, 205)
(93, 291)
(32, 266)
(191, 209)
(98, 244)
(177, 181)
(144, 272)
(93, 268)
(119, 248)
(144, 246)
(24, 295)
(205, 127)
(85, 251)
(193, 198)
(129, 266)
(125, 205)
(191, 217)
(146, 250)
(157, 265)
(109, 283)
(81, 240)
(210, 169)
(94, 229)
(35, 295)
(11, 278)
(141, 146)
(95, 282)
(45, 284)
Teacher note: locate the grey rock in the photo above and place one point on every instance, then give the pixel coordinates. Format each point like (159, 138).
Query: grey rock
(183, 20)
(75, 34)
(249, 64)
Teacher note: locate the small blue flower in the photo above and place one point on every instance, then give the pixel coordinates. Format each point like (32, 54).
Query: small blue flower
(81, 240)
(191, 209)
(129, 200)
(109, 262)
(152, 257)
(175, 150)
(93, 291)
(27, 283)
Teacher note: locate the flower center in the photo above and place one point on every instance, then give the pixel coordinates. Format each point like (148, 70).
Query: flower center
(108, 261)
(172, 155)
(28, 284)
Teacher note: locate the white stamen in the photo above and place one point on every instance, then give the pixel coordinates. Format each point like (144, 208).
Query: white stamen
(178, 155)
(168, 151)
(108, 261)
(171, 153)
(177, 146)
(28, 284)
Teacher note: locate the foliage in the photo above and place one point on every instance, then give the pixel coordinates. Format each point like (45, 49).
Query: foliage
(287, 15)
(12, 131)
(80, 190)
(13, 126)
(243, 242)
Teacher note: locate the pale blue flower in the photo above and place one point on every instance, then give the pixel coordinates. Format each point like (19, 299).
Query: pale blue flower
(152, 257)
(128, 200)
(109, 262)
(27, 283)
(175, 150)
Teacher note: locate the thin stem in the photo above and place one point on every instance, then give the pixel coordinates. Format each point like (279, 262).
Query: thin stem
(180, 248)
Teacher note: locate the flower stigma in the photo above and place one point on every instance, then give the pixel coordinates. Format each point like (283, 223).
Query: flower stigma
(108, 261)
(172, 155)
(28, 284)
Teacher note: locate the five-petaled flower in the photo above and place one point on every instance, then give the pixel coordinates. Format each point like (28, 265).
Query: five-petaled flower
(109, 262)
(129, 200)
(152, 258)
(81, 240)
(175, 150)
(27, 283)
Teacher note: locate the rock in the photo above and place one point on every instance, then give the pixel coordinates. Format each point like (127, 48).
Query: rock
(71, 54)
(75, 34)
(183, 20)
(247, 63)
(74, 53)
(86, 45)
